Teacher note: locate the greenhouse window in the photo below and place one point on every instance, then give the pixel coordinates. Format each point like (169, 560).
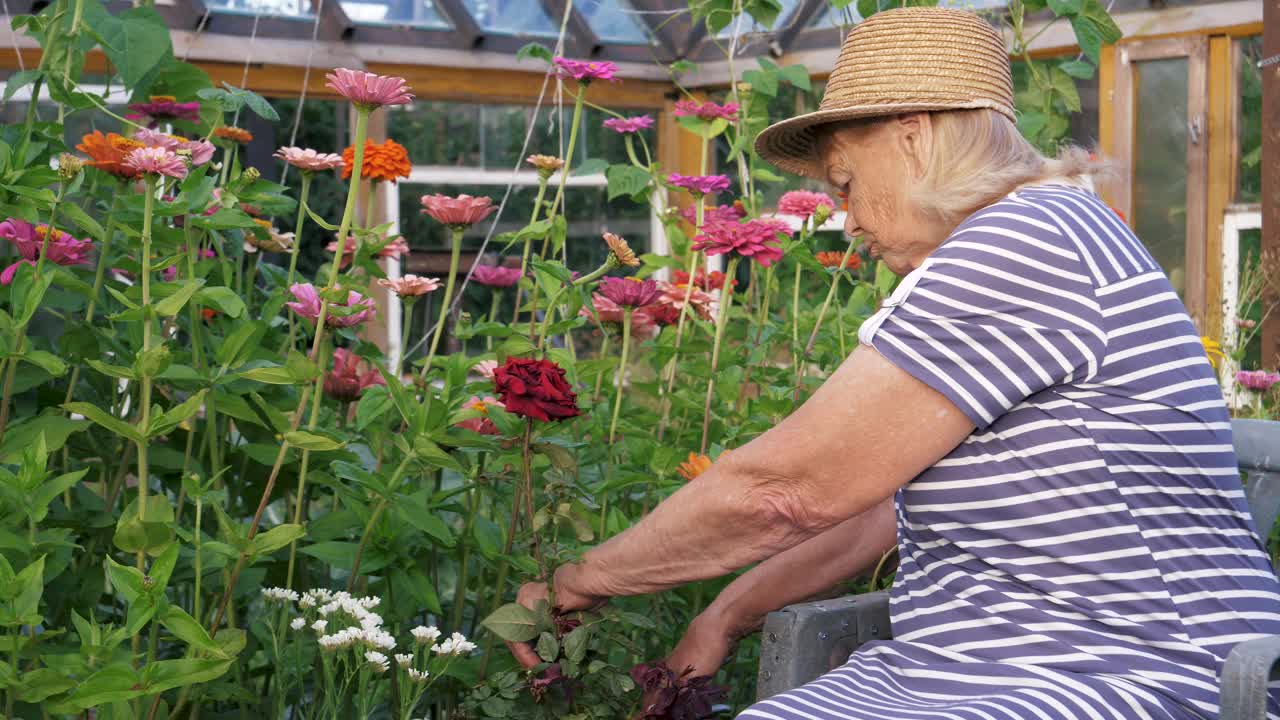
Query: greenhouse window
(744, 23)
(271, 8)
(512, 17)
(417, 13)
(615, 21)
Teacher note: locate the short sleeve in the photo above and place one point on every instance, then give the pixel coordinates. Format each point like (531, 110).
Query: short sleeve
(1003, 309)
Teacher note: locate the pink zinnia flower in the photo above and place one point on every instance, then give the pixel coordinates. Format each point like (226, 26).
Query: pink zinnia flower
(155, 138)
(347, 380)
(482, 425)
(457, 212)
(630, 292)
(171, 273)
(393, 249)
(164, 107)
(700, 301)
(156, 161)
(369, 91)
(28, 239)
(719, 213)
(201, 151)
(642, 322)
(486, 367)
(495, 275)
(803, 203)
(410, 285)
(584, 71)
(1259, 380)
(755, 239)
(706, 110)
(700, 184)
(307, 303)
(635, 124)
(309, 160)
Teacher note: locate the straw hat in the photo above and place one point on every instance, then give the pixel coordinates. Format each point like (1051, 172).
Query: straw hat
(897, 61)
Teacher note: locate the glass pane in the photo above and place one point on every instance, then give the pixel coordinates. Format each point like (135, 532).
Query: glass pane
(418, 13)
(615, 21)
(744, 23)
(1160, 163)
(1252, 309)
(437, 133)
(285, 8)
(1249, 189)
(832, 17)
(512, 17)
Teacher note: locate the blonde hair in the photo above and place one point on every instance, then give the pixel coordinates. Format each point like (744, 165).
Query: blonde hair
(978, 157)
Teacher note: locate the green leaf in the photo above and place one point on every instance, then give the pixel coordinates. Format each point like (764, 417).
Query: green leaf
(114, 424)
(626, 180)
(39, 685)
(1066, 7)
(255, 102)
(1066, 87)
(152, 535)
(533, 50)
(320, 221)
(374, 403)
(165, 675)
(19, 80)
(185, 628)
(177, 297)
(548, 647)
(1079, 69)
(275, 538)
(797, 75)
(431, 454)
(575, 643)
(244, 338)
(53, 425)
(30, 586)
(137, 40)
(115, 371)
(82, 220)
(176, 415)
(275, 375)
(223, 299)
(762, 82)
(513, 623)
(312, 441)
(46, 361)
(128, 581)
(338, 554)
(112, 683)
(594, 166)
(427, 522)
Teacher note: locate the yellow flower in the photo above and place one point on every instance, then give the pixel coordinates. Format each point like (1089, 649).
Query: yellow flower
(1213, 349)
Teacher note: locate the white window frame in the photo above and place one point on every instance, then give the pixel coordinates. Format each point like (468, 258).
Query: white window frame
(1234, 220)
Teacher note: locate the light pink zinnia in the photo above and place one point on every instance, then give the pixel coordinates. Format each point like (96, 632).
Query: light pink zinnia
(28, 239)
(369, 91)
(700, 301)
(495, 275)
(483, 424)
(700, 184)
(307, 304)
(393, 249)
(201, 151)
(754, 239)
(803, 203)
(486, 367)
(706, 110)
(1259, 380)
(156, 161)
(642, 323)
(309, 160)
(410, 285)
(584, 71)
(635, 124)
(457, 212)
(347, 380)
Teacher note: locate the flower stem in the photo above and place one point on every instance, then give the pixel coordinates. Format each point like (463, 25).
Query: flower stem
(619, 381)
(604, 352)
(406, 325)
(297, 241)
(524, 256)
(684, 311)
(454, 255)
(493, 315)
(99, 276)
(721, 321)
(795, 323)
(568, 155)
(148, 209)
(831, 293)
(528, 495)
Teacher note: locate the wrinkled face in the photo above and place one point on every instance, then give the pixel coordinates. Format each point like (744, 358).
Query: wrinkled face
(874, 165)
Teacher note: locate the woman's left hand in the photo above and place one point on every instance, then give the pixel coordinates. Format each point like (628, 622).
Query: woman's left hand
(567, 600)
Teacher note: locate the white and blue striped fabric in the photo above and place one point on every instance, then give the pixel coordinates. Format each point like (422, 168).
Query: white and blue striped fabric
(1087, 553)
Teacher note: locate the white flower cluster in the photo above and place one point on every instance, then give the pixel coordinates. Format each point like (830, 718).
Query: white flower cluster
(418, 676)
(404, 660)
(377, 661)
(457, 644)
(425, 635)
(298, 623)
(279, 594)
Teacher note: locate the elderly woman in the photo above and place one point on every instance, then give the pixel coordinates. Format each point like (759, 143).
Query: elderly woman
(1030, 417)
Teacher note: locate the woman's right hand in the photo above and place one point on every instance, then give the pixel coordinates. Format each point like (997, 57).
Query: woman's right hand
(704, 646)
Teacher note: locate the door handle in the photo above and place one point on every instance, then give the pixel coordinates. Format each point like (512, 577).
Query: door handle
(1194, 130)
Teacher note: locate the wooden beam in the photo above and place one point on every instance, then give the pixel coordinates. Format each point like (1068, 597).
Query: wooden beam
(1271, 168)
(1221, 135)
(506, 86)
(1106, 115)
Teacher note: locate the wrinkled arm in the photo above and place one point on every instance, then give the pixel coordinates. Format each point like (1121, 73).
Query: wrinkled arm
(866, 432)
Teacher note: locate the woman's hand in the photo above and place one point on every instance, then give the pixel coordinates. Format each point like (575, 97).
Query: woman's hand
(704, 646)
(568, 599)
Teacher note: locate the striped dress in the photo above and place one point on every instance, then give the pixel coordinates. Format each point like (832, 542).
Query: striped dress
(1087, 553)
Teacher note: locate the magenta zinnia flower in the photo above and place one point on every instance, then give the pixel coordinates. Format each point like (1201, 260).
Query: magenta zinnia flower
(755, 239)
(28, 239)
(495, 275)
(630, 292)
(719, 213)
(706, 110)
(700, 184)
(309, 160)
(803, 203)
(162, 108)
(1259, 380)
(457, 212)
(635, 124)
(369, 91)
(347, 380)
(156, 161)
(584, 71)
(393, 249)
(354, 311)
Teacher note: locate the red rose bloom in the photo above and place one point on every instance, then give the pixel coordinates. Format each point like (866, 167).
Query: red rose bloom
(535, 389)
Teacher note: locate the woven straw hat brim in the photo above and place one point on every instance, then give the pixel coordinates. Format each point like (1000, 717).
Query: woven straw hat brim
(897, 61)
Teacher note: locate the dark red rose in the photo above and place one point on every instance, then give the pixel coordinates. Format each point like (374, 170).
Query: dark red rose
(535, 389)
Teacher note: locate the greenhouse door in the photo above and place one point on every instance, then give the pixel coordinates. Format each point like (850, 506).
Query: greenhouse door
(1161, 100)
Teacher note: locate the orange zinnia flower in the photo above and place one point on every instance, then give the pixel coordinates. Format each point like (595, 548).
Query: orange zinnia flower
(832, 258)
(696, 465)
(107, 153)
(387, 161)
(234, 134)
